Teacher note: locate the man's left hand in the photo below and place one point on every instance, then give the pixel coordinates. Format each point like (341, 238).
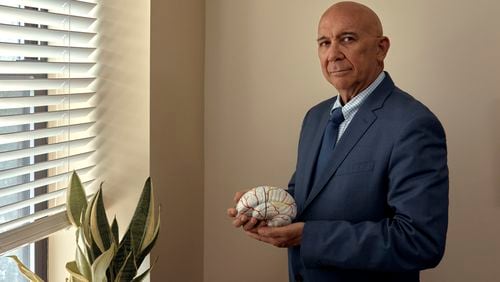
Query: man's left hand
(281, 237)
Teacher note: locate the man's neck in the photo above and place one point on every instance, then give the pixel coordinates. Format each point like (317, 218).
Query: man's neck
(347, 94)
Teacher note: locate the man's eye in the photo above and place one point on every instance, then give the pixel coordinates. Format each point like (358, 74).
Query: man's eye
(347, 39)
(324, 43)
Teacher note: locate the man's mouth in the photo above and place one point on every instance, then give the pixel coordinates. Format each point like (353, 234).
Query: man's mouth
(339, 71)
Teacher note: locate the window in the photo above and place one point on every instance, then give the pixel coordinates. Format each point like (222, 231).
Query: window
(47, 116)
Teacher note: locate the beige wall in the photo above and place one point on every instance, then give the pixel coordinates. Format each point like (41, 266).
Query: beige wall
(177, 49)
(262, 74)
(123, 127)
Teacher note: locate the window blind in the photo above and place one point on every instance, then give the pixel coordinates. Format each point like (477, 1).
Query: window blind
(48, 97)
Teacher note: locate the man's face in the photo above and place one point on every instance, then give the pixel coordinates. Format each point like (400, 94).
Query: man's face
(350, 50)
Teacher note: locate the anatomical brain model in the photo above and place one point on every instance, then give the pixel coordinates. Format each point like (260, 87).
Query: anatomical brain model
(271, 204)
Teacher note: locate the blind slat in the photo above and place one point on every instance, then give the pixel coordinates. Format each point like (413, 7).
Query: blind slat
(45, 116)
(44, 84)
(60, 6)
(32, 201)
(48, 100)
(59, 21)
(9, 225)
(45, 223)
(26, 67)
(59, 53)
(56, 37)
(45, 149)
(44, 133)
(43, 182)
(37, 215)
(13, 172)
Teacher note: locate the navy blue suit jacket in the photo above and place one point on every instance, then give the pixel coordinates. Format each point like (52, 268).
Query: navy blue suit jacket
(380, 211)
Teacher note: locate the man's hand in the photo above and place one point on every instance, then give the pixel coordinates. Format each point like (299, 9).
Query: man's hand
(248, 223)
(281, 237)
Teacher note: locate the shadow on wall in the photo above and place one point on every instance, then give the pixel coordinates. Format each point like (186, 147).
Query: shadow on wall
(123, 105)
(494, 113)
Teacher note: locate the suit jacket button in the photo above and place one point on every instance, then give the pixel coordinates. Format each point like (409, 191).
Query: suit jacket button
(299, 278)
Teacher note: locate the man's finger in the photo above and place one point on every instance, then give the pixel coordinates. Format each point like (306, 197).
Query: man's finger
(251, 224)
(240, 220)
(264, 239)
(237, 222)
(256, 227)
(232, 212)
(262, 223)
(272, 231)
(273, 241)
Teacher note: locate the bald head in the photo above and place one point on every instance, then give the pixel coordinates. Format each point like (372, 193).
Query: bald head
(356, 12)
(351, 47)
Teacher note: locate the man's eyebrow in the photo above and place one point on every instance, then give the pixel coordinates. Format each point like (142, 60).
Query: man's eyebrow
(347, 33)
(322, 38)
(344, 33)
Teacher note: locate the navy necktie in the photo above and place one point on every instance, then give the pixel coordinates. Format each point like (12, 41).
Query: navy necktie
(328, 143)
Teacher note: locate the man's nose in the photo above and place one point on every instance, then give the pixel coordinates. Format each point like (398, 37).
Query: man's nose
(335, 53)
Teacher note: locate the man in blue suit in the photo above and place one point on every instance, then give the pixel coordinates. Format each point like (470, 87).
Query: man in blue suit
(371, 181)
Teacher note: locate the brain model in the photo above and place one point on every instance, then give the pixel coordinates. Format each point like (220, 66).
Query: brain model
(271, 204)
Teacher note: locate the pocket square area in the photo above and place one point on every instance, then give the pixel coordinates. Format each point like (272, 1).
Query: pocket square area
(351, 168)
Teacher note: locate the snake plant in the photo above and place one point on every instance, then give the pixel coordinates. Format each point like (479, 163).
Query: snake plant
(100, 255)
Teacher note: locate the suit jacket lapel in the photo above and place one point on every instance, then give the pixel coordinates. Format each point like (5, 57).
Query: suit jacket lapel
(363, 119)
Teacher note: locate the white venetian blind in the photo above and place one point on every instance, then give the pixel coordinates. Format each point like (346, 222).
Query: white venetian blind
(47, 112)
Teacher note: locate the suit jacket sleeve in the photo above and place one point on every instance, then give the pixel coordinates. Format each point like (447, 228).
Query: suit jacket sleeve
(417, 194)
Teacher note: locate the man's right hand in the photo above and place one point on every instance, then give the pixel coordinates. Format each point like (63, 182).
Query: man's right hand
(248, 223)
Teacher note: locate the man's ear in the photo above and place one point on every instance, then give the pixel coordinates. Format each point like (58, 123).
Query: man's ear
(383, 45)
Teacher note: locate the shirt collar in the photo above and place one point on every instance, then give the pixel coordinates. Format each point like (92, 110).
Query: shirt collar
(354, 104)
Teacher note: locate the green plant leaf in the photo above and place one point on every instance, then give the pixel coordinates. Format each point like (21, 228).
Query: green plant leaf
(99, 225)
(82, 262)
(26, 272)
(123, 251)
(139, 219)
(128, 269)
(119, 273)
(149, 231)
(141, 277)
(133, 236)
(92, 248)
(114, 231)
(76, 201)
(151, 244)
(74, 273)
(102, 263)
(98, 243)
(83, 244)
(86, 220)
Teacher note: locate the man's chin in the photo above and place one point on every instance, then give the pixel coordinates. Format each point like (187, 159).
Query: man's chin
(340, 83)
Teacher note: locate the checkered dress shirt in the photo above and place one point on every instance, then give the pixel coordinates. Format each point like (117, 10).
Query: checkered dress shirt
(350, 109)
